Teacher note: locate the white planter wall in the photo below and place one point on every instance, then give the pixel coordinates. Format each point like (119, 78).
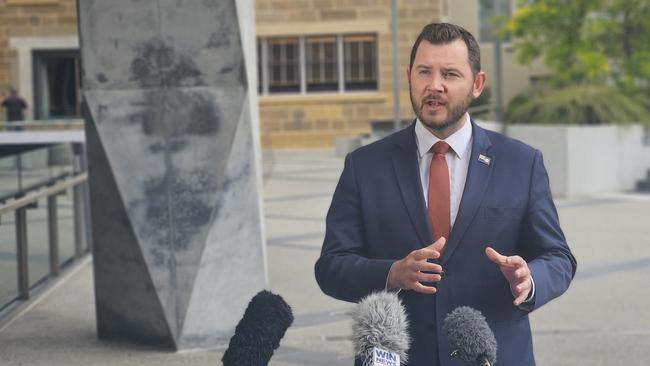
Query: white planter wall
(551, 141)
(584, 160)
(634, 155)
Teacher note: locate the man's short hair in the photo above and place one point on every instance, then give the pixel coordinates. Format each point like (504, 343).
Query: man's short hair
(444, 33)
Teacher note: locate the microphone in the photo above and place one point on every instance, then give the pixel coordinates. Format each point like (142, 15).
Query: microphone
(258, 333)
(470, 336)
(380, 330)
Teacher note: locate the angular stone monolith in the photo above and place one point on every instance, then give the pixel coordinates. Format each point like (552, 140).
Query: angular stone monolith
(173, 151)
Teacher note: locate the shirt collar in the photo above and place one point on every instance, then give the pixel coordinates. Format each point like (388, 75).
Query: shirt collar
(459, 141)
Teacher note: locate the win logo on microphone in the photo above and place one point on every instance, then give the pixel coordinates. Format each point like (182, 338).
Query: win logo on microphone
(382, 357)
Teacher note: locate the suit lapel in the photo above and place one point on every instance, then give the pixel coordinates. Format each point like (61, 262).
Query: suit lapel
(478, 176)
(407, 172)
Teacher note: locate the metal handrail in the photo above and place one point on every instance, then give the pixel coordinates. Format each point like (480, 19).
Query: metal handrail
(40, 124)
(35, 196)
(20, 206)
(33, 187)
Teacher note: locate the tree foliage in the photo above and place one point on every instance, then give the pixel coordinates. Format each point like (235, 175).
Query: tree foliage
(585, 40)
(592, 47)
(584, 104)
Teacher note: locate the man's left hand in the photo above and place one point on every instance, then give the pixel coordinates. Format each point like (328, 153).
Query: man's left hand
(516, 271)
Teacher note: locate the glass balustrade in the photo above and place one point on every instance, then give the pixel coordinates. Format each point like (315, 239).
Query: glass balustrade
(39, 235)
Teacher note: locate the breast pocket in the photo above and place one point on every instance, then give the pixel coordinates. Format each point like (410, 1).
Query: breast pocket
(503, 213)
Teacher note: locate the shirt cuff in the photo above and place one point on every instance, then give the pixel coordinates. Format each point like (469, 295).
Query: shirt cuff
(395, 290)
(529, 304)
(531, 296)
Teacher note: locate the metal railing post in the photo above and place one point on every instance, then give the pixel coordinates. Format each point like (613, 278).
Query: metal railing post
(83, 167)
(19, 168)
(78, 221)
(19, 205)
(22, 256)
(53, 231)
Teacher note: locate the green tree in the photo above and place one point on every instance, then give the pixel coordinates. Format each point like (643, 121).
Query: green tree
(628, 24)
(593, 48)
(562, 34)
(585, 104)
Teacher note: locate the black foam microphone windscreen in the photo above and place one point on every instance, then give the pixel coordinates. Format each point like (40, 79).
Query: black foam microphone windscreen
(259, 332)
(470, 336)
(379, 321)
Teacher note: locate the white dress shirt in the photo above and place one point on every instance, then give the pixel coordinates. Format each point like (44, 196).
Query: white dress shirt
(457, 161)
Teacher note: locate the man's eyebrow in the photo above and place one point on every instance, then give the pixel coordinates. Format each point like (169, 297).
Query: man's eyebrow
(452, 68)
(444, 68)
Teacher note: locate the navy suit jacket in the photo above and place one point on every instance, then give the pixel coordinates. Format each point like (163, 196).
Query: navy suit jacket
(378, 215)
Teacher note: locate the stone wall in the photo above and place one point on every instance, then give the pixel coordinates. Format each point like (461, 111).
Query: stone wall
(316, 120)
(31, 18)
(312, 120)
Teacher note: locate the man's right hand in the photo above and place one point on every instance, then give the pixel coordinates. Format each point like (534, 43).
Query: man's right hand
(409, 272)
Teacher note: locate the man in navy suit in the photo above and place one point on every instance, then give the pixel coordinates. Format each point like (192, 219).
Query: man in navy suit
(448, 214)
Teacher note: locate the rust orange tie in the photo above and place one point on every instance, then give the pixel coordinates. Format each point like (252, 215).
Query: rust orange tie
(439, 194)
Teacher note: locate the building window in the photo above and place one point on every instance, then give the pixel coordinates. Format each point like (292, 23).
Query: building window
(57, 84)
(491, 11)
(284, 65)
(360, 65)
(311, 64)
(322, 64)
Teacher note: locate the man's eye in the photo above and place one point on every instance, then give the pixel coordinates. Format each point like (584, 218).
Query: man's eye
(424, 72)
(451, 75)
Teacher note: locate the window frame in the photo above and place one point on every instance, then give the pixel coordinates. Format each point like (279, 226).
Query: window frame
(305, 62)
(362, 81)
(325, 80)
(284, 84)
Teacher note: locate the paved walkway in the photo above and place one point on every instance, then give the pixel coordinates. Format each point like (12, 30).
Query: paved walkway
(603, 319)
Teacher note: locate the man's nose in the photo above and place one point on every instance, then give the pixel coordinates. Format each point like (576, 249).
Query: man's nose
(436, 84)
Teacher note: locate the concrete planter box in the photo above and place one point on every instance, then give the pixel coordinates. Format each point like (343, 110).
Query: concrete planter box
(584, 160)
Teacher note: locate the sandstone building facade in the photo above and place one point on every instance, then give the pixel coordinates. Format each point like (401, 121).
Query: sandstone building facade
(324, 66)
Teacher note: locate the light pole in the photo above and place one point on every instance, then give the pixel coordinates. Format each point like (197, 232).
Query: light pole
(396, 68)
(498, 92)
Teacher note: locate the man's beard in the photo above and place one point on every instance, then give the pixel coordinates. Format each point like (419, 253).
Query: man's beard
(454, 112)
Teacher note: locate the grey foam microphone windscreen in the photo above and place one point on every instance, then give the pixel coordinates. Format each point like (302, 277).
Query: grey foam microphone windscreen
(379, 320)
(470, 336)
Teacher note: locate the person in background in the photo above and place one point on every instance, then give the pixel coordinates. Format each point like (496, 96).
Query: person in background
(16, 107)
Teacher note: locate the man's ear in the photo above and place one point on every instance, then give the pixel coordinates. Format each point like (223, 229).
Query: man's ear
(479, 84)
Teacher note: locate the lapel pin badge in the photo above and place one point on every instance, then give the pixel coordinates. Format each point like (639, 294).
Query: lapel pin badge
(484, 159)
